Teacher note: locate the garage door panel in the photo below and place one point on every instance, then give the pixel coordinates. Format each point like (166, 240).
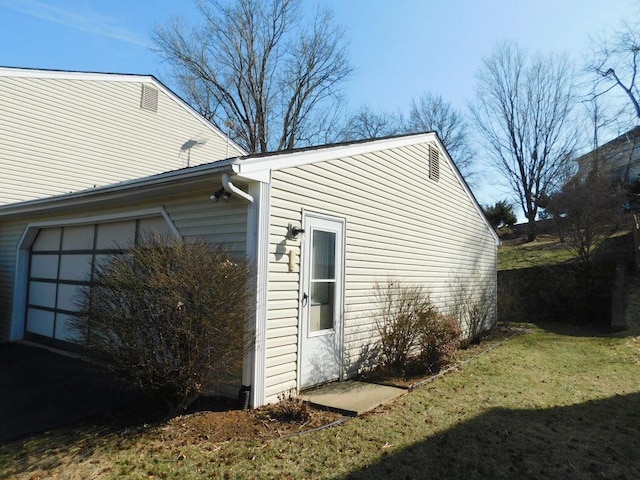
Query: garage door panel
(40, 322)
(62, 262)
(155, 225)
(115, 235)
(103, 259)
(78, 237)
(68, 297)
(42, 294)
(75, 266)
(44, 266)
(64, 329)
(47, 239)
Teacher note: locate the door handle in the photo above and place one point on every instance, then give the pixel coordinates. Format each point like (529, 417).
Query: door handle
(305, 299)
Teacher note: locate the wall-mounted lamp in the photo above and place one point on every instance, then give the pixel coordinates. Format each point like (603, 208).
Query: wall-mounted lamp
(293, 232)
(220, 194)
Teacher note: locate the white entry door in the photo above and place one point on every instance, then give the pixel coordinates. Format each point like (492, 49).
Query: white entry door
(321, 299)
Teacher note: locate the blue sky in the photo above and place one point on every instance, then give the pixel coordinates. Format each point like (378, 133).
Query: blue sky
(399, 48)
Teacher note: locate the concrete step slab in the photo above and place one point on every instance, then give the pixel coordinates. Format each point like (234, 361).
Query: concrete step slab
(351, 397)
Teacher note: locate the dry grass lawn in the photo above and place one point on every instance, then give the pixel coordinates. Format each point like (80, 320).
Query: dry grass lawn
(545, 404)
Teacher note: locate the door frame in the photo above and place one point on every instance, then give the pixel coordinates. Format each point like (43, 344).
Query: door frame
(304, 270)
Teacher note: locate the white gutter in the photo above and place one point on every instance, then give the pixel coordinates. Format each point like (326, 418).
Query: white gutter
(231, 188)
(122, 188)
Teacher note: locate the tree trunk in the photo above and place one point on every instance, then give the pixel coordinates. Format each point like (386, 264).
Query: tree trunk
(531, 230)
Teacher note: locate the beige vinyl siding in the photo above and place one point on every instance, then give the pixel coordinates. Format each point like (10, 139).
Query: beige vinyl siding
(194, 215)
(400, 224)
(10, 234)
(63, 135)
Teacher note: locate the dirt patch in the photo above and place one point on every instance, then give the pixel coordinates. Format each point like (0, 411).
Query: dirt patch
(234, 425)
(43, 392)
(217, 422)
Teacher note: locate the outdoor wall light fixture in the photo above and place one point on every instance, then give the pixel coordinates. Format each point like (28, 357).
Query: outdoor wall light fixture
(293, 232)
(220, 194)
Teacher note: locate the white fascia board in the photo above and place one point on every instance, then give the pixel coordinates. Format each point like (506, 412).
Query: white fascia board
(68, 75)
(118, 77)
(262, 176)
(253, 166)
(159, 180)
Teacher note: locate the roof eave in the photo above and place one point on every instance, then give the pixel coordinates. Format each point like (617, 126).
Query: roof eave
(118, 190)
(286, 159)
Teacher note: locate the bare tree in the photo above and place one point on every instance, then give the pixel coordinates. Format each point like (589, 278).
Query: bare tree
(429, 112)
(617, 158)
(256, 69)
(586, 211)
(615, 61)
(367, 123)
(523, 109)
(432, 112)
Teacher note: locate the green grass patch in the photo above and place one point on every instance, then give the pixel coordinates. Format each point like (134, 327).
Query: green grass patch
(542, 405)
(545, 250)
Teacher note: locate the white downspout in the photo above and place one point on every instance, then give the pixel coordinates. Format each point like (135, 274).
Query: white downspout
(252, 389)
(231, 188)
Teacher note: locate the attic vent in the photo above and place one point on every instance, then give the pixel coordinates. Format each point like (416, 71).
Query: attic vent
(149, 98)
(434, 163)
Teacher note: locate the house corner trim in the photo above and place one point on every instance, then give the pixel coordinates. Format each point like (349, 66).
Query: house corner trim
(258, 252)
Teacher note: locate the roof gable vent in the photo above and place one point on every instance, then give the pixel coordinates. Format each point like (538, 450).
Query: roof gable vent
(434, 163)
(149, 98)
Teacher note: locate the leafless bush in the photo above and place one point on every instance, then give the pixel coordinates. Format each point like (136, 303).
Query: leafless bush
(413, 334)
(586, 212)
(439, 341)
(169, 317)
(402, 309)
(290, 407)
(473, 309)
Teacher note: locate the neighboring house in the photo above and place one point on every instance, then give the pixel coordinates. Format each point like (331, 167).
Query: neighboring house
(618, 159)
(61, 132)
(394, 207)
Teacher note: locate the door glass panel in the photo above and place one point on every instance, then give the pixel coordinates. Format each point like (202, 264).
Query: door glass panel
(323, 270)
(324, 255)
(321, 306)
(40, 322)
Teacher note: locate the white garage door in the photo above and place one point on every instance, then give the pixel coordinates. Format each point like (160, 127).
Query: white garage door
(62, 263)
